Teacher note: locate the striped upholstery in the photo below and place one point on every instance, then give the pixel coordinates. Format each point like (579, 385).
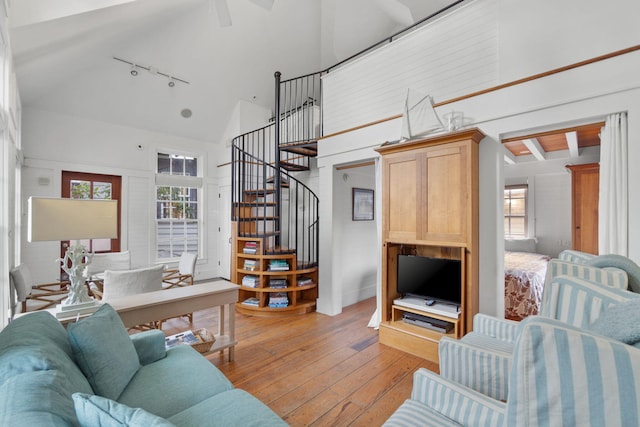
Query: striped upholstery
(608, 276)
(483, 359)
(576, 257)
(561, 376)
(413, 413)
(566, 376)
(477, 365)
(579, 302)
(461, 404)
(506, 330)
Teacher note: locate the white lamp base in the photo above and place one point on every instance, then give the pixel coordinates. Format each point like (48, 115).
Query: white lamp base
(76, 309)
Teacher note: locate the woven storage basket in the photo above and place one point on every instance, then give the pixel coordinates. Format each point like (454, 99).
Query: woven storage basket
(207, 340)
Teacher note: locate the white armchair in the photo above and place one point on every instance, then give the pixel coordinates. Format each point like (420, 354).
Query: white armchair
(109, 261)
(574, 293)
(114, 261)
(23, 289)
(131, 282)
(561, 375)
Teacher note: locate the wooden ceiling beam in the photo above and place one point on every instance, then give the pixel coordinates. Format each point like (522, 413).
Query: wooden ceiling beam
(534, 146)
(572, 143)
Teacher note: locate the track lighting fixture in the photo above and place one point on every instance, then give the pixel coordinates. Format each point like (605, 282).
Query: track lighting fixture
(134, 70)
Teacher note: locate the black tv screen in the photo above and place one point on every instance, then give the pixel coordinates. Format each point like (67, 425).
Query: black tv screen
(438, 279)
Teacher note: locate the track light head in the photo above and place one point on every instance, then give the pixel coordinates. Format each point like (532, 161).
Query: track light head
(134, 70)
(171, 83)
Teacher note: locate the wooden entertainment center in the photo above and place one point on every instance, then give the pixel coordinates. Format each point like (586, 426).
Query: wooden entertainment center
(429, 208)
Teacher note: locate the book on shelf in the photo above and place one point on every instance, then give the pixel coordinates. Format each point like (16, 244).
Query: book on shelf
(250, 248)
(277, 282)
(278, 299)
(251, 281)
(304, 281)
(187, 337)
(278, 265)
(250, 264)
(253, 301)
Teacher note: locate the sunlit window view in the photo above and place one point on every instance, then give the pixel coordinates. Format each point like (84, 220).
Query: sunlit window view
(177, 220)
(515, 211)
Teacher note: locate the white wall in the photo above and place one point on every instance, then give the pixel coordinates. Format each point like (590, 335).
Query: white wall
(357, 268)
(447, 58)
(56, 142)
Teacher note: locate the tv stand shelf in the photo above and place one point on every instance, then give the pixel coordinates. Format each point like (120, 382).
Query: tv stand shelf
(398, 310)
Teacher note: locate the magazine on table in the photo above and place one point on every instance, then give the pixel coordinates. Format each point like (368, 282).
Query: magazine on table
(187, 337)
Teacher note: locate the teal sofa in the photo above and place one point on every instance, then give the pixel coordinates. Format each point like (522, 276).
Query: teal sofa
(95, 374)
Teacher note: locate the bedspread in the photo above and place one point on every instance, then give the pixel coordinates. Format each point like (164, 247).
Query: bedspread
(524, 275)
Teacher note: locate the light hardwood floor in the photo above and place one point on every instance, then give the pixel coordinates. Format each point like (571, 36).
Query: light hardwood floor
(316, 370)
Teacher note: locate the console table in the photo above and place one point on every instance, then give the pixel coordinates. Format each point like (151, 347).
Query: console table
(164, 304)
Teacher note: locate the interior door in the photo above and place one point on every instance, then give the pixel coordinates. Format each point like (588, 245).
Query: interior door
(584, 207)
(78, 185)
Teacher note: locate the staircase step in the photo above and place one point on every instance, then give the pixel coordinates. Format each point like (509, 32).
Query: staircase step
(284, 182)
(260, 235)
(279, 250)
(293, 167)
(306, 148)
(257, 218)
(255, 204)
(258, 192)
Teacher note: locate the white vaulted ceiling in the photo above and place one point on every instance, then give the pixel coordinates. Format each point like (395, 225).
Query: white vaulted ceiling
(63, 53)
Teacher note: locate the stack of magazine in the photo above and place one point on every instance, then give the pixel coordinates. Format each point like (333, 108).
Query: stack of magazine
(278, 299)
(278, 265)
(278, 282)
(250, 248)
(187, 337)
(251, 281)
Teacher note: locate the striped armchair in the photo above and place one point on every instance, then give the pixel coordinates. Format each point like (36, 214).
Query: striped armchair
(574, 293)
(561, 376)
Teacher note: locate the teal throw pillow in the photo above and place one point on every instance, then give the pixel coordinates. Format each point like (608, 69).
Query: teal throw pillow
(620, 322)
(94, 410)
(104, 351)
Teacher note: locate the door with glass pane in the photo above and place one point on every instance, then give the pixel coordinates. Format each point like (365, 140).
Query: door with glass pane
(77, 185)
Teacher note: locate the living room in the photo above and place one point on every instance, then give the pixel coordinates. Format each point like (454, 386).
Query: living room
(50, 140)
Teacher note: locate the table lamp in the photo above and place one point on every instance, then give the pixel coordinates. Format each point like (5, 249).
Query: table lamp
(55, 219)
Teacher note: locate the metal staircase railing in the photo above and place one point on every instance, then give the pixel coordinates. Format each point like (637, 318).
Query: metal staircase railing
(268, 202)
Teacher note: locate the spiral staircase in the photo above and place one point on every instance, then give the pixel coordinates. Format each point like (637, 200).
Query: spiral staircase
(274, 214)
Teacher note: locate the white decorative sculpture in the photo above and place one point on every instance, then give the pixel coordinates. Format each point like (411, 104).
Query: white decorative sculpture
(74, 264)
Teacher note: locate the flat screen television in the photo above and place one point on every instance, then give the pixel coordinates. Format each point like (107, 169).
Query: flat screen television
(436, 279)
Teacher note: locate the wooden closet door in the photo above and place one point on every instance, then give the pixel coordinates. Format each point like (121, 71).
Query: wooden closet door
(585, 182)
(447, 194)
(402, 175)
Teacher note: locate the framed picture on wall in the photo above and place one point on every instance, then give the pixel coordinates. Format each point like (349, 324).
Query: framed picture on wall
(362, 204)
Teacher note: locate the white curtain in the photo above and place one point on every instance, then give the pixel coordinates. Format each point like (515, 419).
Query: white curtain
(613, 205)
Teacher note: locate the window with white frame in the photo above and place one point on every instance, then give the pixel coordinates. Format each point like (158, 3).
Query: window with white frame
(178, 188)
(515, 211)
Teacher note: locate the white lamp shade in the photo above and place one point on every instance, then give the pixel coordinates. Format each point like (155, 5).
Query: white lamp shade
(71, 219)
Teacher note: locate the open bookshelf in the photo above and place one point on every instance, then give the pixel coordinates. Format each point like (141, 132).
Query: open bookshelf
(272, 284)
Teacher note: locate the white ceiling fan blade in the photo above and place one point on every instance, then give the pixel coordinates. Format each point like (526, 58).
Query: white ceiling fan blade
(222, 9)
(265, 4)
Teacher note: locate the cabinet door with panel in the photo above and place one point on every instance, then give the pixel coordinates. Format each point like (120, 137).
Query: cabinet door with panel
(428, 194)
(402, 175)
(446, 200)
